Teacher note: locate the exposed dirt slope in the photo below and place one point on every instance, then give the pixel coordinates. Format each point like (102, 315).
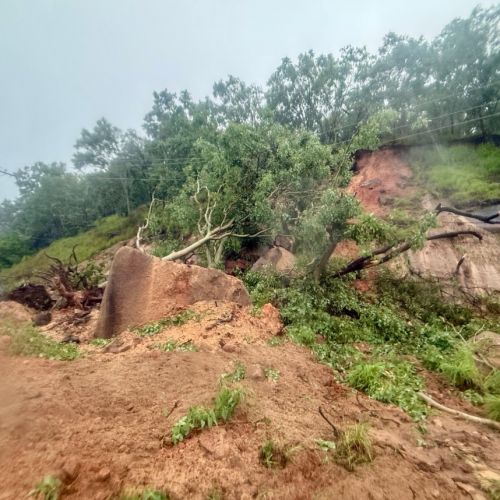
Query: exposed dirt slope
(98, 422)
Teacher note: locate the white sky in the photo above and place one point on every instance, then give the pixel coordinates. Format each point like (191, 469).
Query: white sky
(66, 63)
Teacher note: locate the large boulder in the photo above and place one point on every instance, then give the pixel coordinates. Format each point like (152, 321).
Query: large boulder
(276, 258)
(142, 288)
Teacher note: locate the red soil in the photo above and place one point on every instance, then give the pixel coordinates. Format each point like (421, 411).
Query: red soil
(99, 423)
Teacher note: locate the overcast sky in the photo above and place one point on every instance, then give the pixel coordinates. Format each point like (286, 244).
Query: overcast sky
(66, 63)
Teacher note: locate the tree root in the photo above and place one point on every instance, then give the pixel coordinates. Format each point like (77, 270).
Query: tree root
(457, 413)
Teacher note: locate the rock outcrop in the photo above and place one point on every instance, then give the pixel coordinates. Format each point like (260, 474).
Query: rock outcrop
(479, 273)
(142, 288)
(276, 258)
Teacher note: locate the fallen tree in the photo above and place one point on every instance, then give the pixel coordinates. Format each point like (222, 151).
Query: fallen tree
(391, 251)
(488, 219)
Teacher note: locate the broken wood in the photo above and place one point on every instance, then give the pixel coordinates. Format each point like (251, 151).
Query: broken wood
(458, 413)
(388, 252)
(142, 228)
(488, 219)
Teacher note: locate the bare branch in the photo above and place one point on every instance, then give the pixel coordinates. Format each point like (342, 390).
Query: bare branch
(144, 227)
(488, 219)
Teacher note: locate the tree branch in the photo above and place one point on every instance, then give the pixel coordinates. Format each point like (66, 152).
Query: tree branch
(488, 219)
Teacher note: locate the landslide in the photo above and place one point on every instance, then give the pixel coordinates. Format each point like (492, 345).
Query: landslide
(102, 423)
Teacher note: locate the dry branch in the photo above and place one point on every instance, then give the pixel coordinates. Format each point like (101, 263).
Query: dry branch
(461, 414)
(388, 252)
(138, 238)
(488, 219)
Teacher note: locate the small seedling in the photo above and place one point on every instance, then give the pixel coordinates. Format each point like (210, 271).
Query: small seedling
(146, 494)
(325, 445)
(275, 341)
(49, 488)
(272, 374)
(100, 342)
(173, 345)
(272, 456)
(199, 417)
(156, 327)
(237, 375)
(354, 447)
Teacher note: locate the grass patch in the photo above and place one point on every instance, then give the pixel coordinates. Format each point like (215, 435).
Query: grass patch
(354, 447)
(172, 345)
(199, 417)
(492, 406)
(272, 455)
(157, 326)
(27, 341)
(460, 369)
(272, 374)
(49, 488)
(390, 381)
(461, 174)
(145, 494)
(237, 375)
(106, 233)
(100, 342)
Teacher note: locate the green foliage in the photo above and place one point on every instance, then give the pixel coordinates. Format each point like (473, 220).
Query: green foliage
(461, 174)
(106, 233)
(492, 382)
(172, 345)
(12, 249)
(390, 381)
(49, 488)
(157, 326)
(272, 374)
(144, 494)
(272, 455)
(237, 375)
(354, 447)
(198, 417)
(27, 341)
(100, 342)
(492, 405)
(460, 369)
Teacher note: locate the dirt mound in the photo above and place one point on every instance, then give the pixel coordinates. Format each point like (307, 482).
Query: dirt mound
(101, 423)
(14, 312)
(382, 176)
(142, 289)
(276, 258)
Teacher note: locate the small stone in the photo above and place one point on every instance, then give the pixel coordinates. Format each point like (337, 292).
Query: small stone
(104, 474)
(229, 348)
(70, 469)
(130, 407)
(435, 493)
(256, 372)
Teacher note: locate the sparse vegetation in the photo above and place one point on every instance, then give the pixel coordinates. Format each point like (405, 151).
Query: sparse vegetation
(237, 375)
(199, 417)
(49, 488)
(158, 326)
(492, 405)
(273, 455)
(272, 374)
(354, 447)
(100, 342)
(172, 345)
(143, 494)
(27, 341)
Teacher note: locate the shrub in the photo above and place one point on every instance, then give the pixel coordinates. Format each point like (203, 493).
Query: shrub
(354, 447)
(492, 405)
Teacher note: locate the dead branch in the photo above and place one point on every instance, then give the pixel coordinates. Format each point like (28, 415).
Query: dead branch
(461, 414)
(488, 219)
(336, 432)
(388, 252)
(142, 228)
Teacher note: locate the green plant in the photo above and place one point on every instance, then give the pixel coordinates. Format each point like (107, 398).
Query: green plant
(354, 447)
(272, 455)
(100, 342)
(275, 341)
(173, 345)
(49, 488)
(492, 382)
(27, 341)
(145, 494)
(460, 368)
(238, 374)
(390, 381)
(199, 417)
(272, 374)
(215, 494)
(158, 326)
(492, 405)
(326, 445)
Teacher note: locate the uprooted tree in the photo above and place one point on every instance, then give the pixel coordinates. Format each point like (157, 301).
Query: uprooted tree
(259, 182)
